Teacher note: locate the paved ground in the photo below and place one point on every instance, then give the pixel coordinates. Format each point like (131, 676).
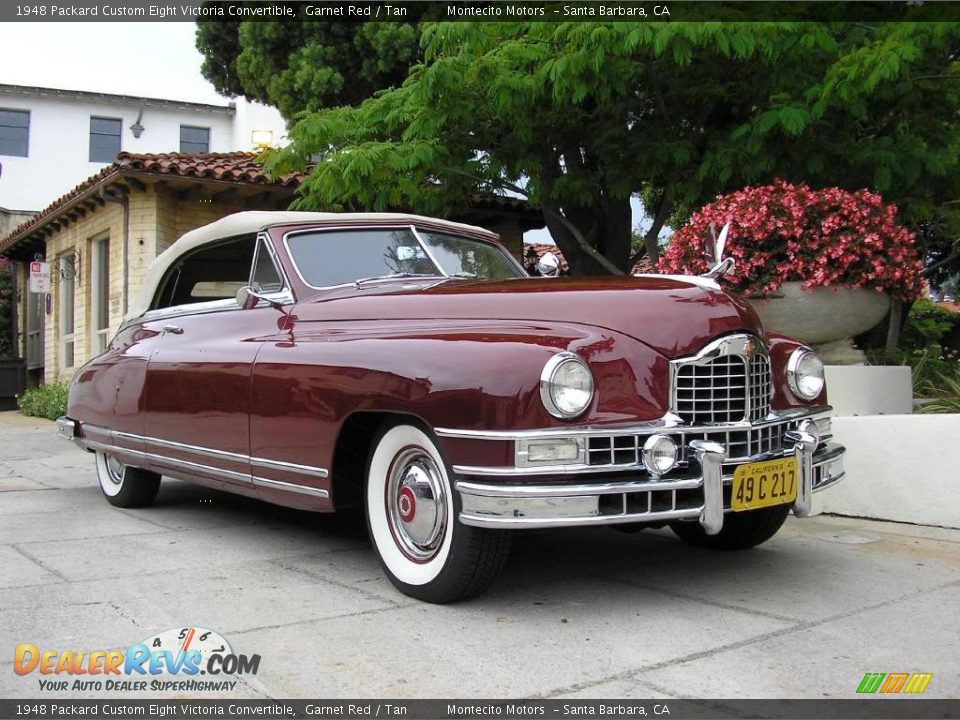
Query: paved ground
(587, 613)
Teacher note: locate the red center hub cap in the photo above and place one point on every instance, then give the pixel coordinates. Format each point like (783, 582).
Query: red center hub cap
(406, 504)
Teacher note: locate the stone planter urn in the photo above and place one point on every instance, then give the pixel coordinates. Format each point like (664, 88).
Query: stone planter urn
(825, 318)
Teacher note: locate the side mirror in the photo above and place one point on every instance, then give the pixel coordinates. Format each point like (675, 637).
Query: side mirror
(548, 265)
(248, 298)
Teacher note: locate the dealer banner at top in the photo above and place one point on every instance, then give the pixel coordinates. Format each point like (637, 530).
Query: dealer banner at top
(489, 11)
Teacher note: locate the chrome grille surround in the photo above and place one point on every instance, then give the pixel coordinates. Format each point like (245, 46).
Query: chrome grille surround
(728, 381)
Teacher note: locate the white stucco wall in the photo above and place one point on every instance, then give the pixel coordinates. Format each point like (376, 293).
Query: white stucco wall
(904, 468)
(59, 140)
(869, 389)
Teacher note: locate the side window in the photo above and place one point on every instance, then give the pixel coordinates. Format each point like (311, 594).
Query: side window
(214, 272)
(265, 278)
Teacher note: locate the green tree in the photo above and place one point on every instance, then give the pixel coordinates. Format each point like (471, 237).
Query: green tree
(308, 65)
(578, 117)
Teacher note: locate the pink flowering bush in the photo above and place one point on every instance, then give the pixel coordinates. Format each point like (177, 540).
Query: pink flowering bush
(784, 232)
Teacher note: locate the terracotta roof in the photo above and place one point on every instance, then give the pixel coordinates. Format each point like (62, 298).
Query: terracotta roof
(643, 266)
(239, 167)
(236, 167)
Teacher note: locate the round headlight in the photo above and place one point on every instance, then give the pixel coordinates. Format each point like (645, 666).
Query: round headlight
(566, 386)
(659, 454)
(805, 373)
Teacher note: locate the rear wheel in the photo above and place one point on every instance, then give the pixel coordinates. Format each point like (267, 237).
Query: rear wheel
(740, 530)
(412, 515)
(125, 486)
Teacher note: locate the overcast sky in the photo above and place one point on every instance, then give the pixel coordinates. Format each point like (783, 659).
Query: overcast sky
(157, 59)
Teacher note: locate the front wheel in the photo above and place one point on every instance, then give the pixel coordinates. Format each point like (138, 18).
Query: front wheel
(412, 516)
(125, 486)
(740, 530)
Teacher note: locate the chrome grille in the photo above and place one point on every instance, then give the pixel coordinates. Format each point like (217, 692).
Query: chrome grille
(741, 445)
(728, 382)
(712, 393)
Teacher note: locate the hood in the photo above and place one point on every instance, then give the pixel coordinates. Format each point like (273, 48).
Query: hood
(672, 316)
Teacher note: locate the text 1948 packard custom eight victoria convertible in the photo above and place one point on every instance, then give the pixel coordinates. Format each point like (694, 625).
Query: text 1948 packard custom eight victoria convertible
(409, 366)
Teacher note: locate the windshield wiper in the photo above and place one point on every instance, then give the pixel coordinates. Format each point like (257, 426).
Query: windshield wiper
(358, 281)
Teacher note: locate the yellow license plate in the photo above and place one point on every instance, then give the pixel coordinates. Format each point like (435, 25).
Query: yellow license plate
(761, 484)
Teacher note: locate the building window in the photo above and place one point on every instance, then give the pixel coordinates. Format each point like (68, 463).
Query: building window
(14, 132)
(67, 267)
(104, 139)
(99, 295)
(194, 139)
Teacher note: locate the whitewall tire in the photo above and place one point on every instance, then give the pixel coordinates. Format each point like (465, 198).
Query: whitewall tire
(125, 486)
(412, 515)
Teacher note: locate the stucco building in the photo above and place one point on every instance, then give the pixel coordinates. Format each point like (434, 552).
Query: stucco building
(51, 139)
(101, 236)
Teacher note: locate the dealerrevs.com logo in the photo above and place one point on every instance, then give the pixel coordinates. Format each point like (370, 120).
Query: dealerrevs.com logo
(169, 661)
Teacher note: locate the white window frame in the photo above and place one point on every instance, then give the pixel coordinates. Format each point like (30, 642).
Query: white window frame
(99, 293)
(67, 280)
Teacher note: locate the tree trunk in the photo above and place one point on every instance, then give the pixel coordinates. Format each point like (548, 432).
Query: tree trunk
(893, 330)
(603, 245)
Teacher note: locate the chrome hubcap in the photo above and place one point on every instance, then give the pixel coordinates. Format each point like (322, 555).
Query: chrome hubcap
(416, 504)
(115, 470)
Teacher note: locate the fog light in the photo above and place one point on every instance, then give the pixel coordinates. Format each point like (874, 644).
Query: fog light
(553, 451)
(659, 454)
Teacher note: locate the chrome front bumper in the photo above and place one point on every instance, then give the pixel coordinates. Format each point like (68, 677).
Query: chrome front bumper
(531, 505)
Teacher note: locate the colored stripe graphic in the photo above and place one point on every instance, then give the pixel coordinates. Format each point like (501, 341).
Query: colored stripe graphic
(871, 682)
(894, 683)
(918, 682)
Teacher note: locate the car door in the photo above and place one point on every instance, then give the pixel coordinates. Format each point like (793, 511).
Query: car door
(197, 397)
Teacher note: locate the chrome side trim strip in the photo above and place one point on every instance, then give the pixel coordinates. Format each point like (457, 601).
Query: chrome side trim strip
(290, 487)
(669, 422)
(164, 460)
(265, 463)
(208, 452)
(289, 467)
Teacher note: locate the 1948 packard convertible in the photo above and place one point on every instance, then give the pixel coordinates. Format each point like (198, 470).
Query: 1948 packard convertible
(410, 367)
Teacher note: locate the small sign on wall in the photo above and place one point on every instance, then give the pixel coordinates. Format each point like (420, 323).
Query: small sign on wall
(39, 277)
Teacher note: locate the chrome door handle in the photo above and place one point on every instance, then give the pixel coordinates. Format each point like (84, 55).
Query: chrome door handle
(175, 329)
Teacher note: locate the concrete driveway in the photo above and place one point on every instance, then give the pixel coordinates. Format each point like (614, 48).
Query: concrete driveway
(589, 613)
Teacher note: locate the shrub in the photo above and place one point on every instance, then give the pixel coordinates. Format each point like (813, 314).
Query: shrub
(948, 398)
(927, 325)
(47, 401)
(784, 232)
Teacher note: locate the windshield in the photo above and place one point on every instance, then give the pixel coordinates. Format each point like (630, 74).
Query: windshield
(336, 257)
(463, 257)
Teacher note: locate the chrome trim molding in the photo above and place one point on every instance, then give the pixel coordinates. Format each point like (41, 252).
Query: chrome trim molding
(290, 487)
(668, 422)
(268, 464)
(263, 463)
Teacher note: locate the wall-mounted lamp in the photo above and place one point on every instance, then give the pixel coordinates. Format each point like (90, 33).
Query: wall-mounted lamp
(137, 128)
(262, 139)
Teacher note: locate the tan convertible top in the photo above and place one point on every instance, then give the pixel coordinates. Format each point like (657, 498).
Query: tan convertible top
(254, 221)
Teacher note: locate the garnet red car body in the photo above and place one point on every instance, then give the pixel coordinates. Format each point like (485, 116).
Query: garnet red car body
(451, 396)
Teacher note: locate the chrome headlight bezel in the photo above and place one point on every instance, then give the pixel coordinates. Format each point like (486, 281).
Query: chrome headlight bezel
(549, 385)
(796, 367)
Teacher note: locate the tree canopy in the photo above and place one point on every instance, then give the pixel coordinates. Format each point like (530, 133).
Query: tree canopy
(309, 65)
(578, 117)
